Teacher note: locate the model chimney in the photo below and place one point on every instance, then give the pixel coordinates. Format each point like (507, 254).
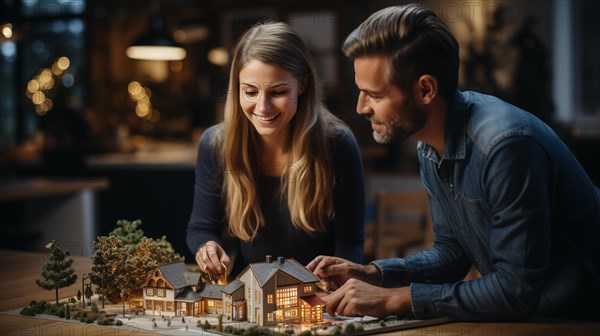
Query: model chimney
(280, 260)
(269, 259)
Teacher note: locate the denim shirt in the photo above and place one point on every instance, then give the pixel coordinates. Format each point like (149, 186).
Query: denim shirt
(508, 197)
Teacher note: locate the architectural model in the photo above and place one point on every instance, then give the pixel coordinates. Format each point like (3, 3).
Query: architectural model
(265, 293)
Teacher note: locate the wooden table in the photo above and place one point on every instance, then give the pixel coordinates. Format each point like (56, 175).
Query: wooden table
(18, 271)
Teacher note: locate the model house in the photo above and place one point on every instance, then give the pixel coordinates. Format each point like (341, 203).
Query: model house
(265, 293)
(172, 291)
(281, 291)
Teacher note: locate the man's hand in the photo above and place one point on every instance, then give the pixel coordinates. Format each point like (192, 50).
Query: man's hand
(212, 259)
(357, 298)
(333, 272)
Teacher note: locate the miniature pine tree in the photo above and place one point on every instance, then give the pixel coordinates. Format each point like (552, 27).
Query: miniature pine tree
(128, 232)
(57, 272)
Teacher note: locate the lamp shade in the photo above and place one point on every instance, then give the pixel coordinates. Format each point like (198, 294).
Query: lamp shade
(155, 44)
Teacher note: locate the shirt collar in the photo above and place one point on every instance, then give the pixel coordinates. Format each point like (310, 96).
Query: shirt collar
(455, 138)
(455, 142)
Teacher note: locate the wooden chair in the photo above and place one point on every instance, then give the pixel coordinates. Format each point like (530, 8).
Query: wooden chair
(402, 225)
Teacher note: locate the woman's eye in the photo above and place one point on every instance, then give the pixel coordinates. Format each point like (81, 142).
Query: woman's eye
(279, 93)
(250, 93)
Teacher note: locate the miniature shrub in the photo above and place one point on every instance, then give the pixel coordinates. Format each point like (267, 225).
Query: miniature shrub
(119, 323)
(54, 310)
(89, 319)
(350, 328)
(305, 333)
(359, 328)
(61, 313)
(206, 325)
(82, 318)
(94, 308)
(27, 311)
(38, 307)
(102, 321)
(337, 330)
(382, 323)
(252, 331)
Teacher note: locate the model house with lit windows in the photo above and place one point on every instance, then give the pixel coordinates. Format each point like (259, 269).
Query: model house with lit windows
(265, 293)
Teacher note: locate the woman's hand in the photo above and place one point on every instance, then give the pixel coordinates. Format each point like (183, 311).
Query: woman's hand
(212, 259)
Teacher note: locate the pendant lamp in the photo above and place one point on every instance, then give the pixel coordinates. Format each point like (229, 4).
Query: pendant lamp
(156, 44)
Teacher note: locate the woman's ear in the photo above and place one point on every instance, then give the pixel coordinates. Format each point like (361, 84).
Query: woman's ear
(303, 85)
(427, 88)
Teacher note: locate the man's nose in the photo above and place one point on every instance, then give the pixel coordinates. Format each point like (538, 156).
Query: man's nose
(361, 107)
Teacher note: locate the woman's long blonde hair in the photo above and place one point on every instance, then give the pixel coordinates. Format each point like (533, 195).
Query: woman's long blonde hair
(308, 180)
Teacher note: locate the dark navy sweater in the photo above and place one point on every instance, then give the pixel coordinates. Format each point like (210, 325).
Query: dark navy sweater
(343, 237)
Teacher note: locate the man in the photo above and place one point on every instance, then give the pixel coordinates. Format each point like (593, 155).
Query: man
(506, 194)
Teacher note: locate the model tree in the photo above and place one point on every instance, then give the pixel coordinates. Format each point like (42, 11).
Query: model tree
(122, 261)
(128, 232)
(57, 272)
(107, 259)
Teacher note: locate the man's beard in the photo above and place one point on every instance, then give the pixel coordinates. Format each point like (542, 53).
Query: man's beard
(409, 120)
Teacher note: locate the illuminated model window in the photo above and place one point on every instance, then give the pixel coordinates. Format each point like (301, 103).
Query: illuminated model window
(270, 298)
(307, 289)
(160, 292)
(210, 304)
(149, 292)
(287, 297)
(257, 296)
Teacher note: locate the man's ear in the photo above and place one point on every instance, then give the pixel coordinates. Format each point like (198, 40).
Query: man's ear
(427, 88)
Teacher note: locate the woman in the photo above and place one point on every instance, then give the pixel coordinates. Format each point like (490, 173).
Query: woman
(281, 172)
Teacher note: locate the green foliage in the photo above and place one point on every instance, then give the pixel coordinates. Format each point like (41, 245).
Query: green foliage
(104, 321)
(382, 323)
(57, 272)
(27, 311)
(129, 233)
(94, 308)
(38, 308)
(337, 330)
(350, 328)
(206, 325)
(126, 258)
(305, 333)
(119, 323)
(89, 319)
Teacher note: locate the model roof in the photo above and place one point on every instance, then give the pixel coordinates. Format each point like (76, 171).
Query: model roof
(265, 270)
(178, 276)
(189, 295)
(211, 291)
(232, 286)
